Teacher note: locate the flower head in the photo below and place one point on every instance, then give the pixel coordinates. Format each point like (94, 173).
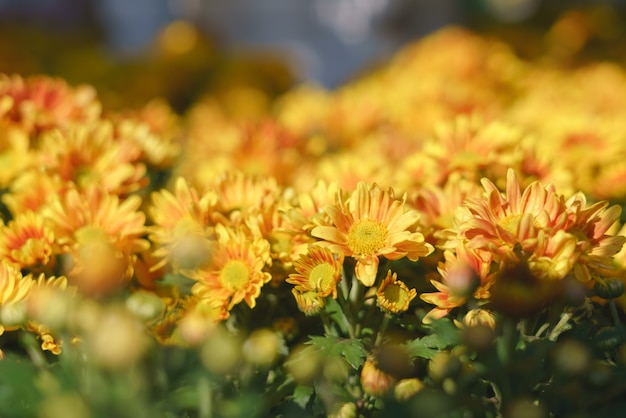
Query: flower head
(236, 270)
(372, 223)
(89, 154)
(393, 296)
(500, 222)
(182, 230)
(464, 273)
(40, 103)
(100, 235)
(309, 302)
(26, 241)
(318, 271)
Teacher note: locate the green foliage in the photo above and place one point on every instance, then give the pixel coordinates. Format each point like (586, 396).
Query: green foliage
(351, 350)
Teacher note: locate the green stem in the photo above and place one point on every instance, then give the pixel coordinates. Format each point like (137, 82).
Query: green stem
(204, 398)
(383, 328)
(328, 328)
(614, 313)
(32, 348)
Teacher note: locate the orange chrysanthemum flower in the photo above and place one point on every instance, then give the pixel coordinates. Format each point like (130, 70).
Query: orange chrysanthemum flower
(182, 230)
(305, 214)
(464, 274)
(372, 223)
(439, 204)
(31, 190)
(241, 195)
(590, 225)
(500, 222)
(393, 296)
(88, 155)
(318, 271)
(236, 269)
(39, 103)
(101, 236)
(26, 241)
(471, 146)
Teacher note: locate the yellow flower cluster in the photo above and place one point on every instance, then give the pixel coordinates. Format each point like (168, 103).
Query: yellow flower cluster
(455, 163)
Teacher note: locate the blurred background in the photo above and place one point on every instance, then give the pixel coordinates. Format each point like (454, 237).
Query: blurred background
(179, 49)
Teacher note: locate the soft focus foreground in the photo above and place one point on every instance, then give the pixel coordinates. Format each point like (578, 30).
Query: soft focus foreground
(439, 237)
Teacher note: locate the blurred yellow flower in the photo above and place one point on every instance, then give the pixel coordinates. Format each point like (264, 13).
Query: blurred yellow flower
(100, 235)
(27, 241)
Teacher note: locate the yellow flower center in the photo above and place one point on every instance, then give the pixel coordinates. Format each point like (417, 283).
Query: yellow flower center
(321, 277)
(397, 296)
(510, 223)
(366, 237)
(235, 275)
(91, 234)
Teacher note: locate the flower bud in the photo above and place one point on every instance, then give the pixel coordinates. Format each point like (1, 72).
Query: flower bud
(443, 365)
(221, 352)
(609, 288)
(479, 317)
(309, 302)
(262, 347)
(374, 381)
(304, 364)
(479, 337)
(406, 388)
(145, 305)
(524, 408)
(571, 357)
(64, 405)
(347, 410)
(50, 306)
(118, 340)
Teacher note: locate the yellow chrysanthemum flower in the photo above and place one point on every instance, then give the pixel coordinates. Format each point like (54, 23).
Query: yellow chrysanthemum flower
(182, 230)
(393, 295)
(318, 271)
(236, 269)
(26, 241)
(372, 223)
(101, 235)
(90, 154)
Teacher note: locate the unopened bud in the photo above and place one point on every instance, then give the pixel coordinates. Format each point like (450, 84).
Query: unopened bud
(145, 305)
(347, 410)
(374, 381)
(64, 405)
(221, 352)
(609, 288)
(406, 388)
(443, 365)
(571, 357)
(118, 340)
(304, 364)
(262, 347)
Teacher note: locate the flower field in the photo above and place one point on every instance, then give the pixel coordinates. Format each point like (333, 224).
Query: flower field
(441, 236)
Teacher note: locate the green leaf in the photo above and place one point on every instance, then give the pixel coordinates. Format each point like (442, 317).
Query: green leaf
(444, 334)
(19, 394)
(302, 395)
(351, 350)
